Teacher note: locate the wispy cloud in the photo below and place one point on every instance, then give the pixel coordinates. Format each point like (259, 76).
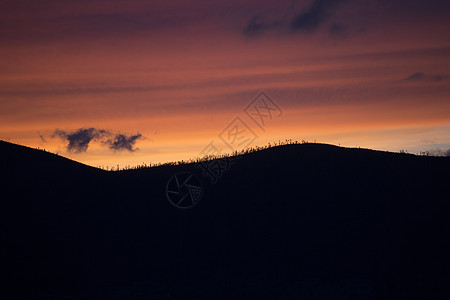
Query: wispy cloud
(42, 137)
(124, 142)
(80, 139)
(309, 20)
(437, 152)
(421, 76)
(318, 13)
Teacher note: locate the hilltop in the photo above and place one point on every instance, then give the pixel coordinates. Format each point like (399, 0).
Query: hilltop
(309, 221)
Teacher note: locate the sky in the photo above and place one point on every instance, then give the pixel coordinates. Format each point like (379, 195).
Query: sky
(108, 82)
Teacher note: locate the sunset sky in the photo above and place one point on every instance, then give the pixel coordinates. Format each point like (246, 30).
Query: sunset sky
(108, 82)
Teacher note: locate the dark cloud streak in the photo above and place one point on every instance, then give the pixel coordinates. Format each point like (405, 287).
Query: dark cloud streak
(42, 137)
(319, 12)
(123, 142)
(421, 76)
(309, 20)
(79, 140)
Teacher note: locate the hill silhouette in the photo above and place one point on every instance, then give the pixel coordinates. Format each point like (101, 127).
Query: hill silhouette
(309, 221)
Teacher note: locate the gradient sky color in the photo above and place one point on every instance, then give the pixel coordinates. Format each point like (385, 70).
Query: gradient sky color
(372, 73)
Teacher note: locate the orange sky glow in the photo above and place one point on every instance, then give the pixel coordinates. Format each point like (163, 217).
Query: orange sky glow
(366, 75)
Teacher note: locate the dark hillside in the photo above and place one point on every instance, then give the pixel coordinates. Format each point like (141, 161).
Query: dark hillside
(306, 221)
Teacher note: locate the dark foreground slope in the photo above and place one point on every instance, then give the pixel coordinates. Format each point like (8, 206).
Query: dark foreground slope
(292, 222)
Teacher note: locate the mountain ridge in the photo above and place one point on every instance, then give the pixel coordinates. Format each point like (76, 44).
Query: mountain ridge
(280, 221)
